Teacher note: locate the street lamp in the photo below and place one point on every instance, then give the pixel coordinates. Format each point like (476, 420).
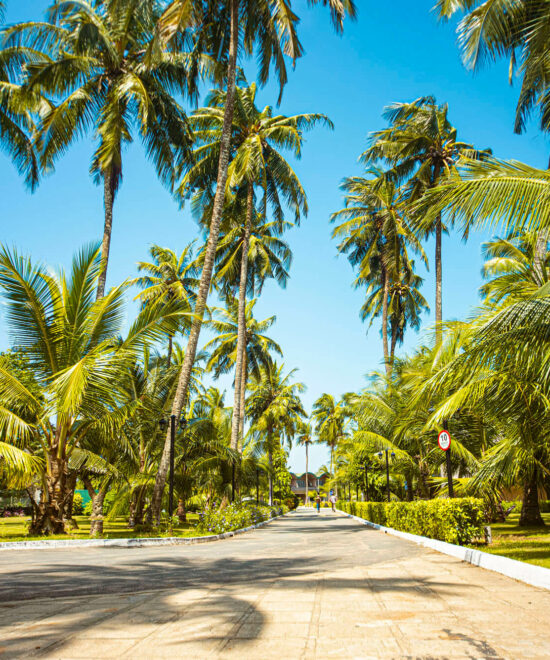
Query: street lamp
(387, 469)
(163, 423)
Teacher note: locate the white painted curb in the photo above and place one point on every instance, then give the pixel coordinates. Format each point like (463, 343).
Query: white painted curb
(129, 543)
(537, 576)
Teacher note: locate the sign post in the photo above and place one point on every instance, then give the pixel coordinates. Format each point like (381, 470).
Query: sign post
(444, 441)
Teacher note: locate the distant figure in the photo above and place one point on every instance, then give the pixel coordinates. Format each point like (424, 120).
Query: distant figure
(318, 502)
(333, 502)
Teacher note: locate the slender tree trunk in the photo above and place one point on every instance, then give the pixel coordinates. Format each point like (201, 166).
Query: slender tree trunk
(108, 201)
(386, 290)
(208, 266)
(170, 346)
(181, 512)
(541, 247)
(393, 344)
(96, 519)
(270, 459)
(438, 282)
(244, 381)
(241, 323)
(307, 468)
(530, 509)
(70, 481)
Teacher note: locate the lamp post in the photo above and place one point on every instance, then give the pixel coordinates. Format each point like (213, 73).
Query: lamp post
(257, 485)
(387, 469)
(367, 481)
(163, 424)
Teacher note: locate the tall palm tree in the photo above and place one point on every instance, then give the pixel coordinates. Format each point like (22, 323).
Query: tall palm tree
(331, 418)
(256, 161)
(112, 74)
(422, 146)
(259, 346)
(169, 278)
(268, 28)
(77, 367)
(305, 439)
(275, 409)
(374, 235)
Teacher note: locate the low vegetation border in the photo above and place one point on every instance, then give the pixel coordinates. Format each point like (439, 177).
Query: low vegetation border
(130, 542)
(536, 576)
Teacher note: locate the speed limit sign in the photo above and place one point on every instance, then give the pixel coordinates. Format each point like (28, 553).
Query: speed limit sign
(444, 440)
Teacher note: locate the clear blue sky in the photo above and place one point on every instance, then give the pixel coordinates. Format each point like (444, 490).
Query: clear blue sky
(393, 53)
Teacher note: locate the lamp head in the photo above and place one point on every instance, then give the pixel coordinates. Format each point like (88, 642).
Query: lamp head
(163, 423)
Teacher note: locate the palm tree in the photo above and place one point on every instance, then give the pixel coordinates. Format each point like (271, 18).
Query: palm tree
(331, 418)
(105, 63)
(169, 277)
(18, 111)
(374, 235)
(421, 145)
(275, 409)
(269, 28)
(513, 268)
(256, 162)
(78, 367)
(305, 438)
(515, 30)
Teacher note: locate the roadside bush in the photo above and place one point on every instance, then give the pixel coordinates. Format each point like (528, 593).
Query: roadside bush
(232, 517)
(452, 520)
(78, 506)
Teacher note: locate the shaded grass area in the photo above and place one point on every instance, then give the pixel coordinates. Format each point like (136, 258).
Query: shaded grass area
(529, 544)
(15, 529)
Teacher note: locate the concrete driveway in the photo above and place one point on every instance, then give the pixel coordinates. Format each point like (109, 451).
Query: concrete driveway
(305, 586)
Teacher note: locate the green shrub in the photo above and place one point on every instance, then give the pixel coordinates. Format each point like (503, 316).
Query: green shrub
(78, 507)
(234, 516)
(452, 520)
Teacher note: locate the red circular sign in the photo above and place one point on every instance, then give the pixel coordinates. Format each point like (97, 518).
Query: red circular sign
(444, 440)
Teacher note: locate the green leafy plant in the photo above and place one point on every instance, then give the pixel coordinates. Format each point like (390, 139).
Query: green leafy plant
(451, 520)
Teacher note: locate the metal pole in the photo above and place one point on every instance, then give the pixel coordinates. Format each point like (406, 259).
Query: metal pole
(233, 481)
(448, 462)
(257, 486)
(449, 473)
(387, 475)
(367, 481)
(171, 483)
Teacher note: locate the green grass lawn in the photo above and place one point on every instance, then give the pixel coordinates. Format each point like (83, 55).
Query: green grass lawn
(15, 529)
(530, 544)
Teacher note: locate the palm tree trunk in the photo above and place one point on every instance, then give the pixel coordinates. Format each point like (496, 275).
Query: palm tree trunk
(270, 460)
(386, 290)
(530, 509)
(108, 201)
(393, 344)
(541, 248)
(208, 266)
(51, 508)
(244, 380)
(438, 283)
(306, 500)
(170, 346)
(241, 322)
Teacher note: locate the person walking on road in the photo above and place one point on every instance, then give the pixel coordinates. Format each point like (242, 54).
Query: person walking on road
(318, 502)
(333, 502)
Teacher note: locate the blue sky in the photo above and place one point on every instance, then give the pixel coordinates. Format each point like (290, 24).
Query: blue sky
(392, 53)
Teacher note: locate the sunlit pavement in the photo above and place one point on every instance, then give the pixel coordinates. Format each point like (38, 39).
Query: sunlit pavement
(305, 586)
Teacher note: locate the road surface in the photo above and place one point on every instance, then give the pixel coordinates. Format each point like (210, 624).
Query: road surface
(305, 586)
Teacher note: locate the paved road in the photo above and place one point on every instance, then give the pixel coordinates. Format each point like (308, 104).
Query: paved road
(302, 587)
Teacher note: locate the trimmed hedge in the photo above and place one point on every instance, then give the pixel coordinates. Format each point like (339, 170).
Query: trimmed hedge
(452, 520)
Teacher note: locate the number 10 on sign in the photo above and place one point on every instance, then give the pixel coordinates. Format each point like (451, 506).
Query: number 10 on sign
(444, 440)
